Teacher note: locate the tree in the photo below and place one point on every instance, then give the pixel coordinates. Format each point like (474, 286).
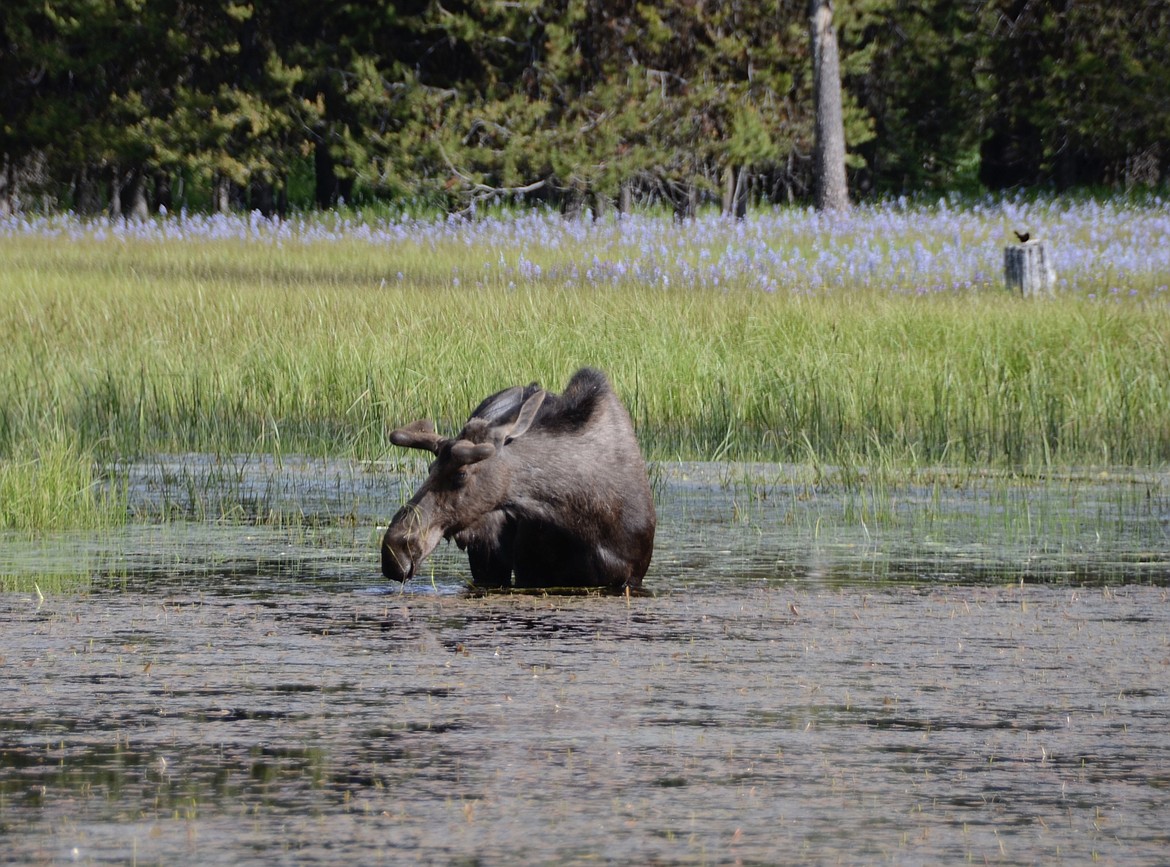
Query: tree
(120, 103)
(915, 68)
(1080, 92)
(832, 193)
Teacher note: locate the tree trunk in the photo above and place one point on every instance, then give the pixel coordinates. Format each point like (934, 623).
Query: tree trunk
(163, 197)
(330, 188)
(221, 194)
(262, 196)
(728, 190)
(573, 203)
(86, 196)
(686, 202)
(134, 204)
(116, 184)
(832, 193)
(626, 198)
(324, 180)
(601, 204)
(735, 192)
(6, 187)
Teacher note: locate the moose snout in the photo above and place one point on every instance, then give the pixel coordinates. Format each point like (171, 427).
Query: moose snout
(407, 542)
(397, 563)
(395, 566)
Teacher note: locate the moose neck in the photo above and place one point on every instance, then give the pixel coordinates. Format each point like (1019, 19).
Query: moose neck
(553, 473)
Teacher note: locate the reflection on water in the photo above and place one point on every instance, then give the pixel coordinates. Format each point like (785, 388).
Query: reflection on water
(930, 674)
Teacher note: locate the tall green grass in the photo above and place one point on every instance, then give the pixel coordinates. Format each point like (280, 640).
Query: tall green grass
(51, 483)
(130, 348)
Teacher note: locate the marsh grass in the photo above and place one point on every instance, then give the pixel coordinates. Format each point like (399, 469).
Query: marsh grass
(942, 525)
(245, 341)
(51, 482)
(38, 586)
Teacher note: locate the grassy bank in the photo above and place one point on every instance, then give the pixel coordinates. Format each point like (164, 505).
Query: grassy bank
(884, 338)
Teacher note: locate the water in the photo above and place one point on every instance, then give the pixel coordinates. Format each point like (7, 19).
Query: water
(921, 675)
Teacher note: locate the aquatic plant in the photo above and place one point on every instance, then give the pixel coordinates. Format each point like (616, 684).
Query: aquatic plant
(51, 483)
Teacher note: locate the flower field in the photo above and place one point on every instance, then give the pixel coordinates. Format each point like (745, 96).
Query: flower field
(1101, 250)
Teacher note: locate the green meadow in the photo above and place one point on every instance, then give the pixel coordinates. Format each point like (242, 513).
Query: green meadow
(118, 347)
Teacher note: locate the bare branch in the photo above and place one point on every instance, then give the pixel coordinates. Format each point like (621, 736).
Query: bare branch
(481, 189)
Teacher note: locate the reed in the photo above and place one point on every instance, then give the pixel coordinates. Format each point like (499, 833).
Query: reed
(50, 483)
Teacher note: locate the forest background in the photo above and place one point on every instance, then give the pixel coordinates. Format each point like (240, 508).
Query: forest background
(128, 106)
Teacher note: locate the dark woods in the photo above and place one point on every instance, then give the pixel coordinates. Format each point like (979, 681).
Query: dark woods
(109, 105)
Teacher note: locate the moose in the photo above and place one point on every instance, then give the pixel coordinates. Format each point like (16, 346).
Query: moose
(547, 490)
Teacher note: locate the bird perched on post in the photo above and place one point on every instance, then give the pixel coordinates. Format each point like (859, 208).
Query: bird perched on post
(1023, 236)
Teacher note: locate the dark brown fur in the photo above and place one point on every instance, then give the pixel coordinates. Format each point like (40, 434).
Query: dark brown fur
(549, 489)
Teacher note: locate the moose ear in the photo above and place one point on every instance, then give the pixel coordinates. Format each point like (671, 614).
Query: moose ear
(417, 435)
(499, 406)
(527, 416)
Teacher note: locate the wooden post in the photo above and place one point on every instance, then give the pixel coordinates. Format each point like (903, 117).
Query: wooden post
(1026, 268)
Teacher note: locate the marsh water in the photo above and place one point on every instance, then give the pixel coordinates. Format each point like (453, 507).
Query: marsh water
(829, 670)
